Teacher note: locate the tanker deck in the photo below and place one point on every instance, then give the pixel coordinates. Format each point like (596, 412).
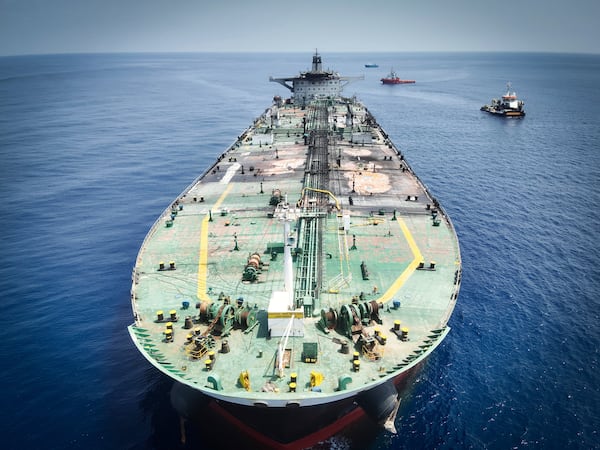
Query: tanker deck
(306, 267)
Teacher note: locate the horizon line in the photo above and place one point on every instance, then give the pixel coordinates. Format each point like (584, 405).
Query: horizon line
(375, 52)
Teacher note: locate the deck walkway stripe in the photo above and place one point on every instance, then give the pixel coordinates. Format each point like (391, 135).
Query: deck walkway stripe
(418, 257)
(203, 257)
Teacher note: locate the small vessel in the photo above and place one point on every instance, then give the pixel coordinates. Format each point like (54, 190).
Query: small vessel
(371, 65)
(296, 287)
(508, 106)
(393, 78)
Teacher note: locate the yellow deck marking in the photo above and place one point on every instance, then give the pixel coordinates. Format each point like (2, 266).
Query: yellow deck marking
(203, 257)
(418, 257)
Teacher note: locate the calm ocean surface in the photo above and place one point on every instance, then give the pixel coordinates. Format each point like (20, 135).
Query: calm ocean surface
(94, 147)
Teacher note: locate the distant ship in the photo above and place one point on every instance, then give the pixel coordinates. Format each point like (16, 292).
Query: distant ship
(393, 78)
(371, 65)
(297, 286)
(508, 106)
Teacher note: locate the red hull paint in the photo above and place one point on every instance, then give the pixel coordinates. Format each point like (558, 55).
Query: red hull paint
(264, 442)
(249, 426)
(396, 81)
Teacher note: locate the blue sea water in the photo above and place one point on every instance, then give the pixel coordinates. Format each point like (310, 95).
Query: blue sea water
(93, 147)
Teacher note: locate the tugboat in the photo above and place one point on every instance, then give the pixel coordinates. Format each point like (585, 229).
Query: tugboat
(393, 78)
(508, 106)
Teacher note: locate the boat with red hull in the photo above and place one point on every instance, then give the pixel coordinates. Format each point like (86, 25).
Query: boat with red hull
(393, 78)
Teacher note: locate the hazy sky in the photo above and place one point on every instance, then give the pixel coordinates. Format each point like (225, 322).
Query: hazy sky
(64, 26)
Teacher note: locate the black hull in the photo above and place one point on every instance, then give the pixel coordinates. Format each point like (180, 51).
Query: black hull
(287, 428)
(503, 112)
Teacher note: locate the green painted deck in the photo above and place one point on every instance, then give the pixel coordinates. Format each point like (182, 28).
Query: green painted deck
(375, 212)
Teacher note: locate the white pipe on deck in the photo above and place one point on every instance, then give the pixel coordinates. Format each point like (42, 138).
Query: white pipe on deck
(288, 270)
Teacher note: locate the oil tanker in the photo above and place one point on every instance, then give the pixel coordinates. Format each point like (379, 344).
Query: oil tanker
(297, 285)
